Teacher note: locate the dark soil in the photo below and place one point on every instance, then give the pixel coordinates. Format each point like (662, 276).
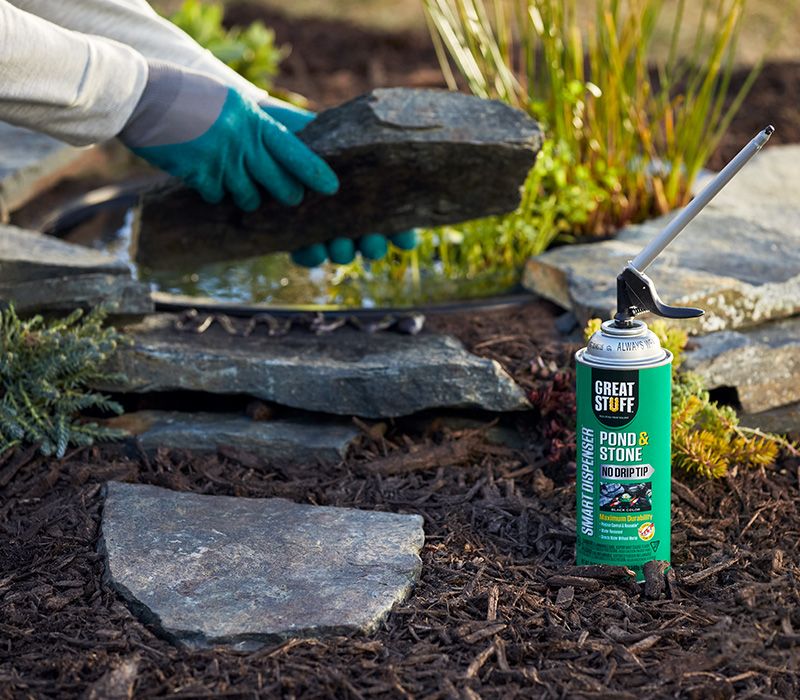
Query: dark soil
(498, 612)
(334, 61)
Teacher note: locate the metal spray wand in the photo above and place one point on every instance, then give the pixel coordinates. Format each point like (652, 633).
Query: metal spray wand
(635, 291)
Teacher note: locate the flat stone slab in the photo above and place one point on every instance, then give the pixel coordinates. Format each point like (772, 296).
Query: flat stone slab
(762, 364)
(277, 441)
(43, 273)
(27, 256)
(739, 260)
(405, 158)
(347, 372)
(781, 420)
(243, 572)
(29, 159)
(120, 294)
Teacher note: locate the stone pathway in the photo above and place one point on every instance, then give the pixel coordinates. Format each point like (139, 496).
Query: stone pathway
(243, 572)
(40, 272)
(307, 441)
(343, 373)
(29, 162)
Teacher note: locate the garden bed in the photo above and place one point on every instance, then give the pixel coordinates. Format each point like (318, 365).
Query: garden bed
(489, 617)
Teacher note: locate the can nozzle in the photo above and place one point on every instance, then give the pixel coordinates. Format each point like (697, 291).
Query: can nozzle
(635, 290)
(637, 294)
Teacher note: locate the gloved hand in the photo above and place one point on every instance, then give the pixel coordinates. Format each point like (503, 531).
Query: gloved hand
(341, 251)
(200, 130)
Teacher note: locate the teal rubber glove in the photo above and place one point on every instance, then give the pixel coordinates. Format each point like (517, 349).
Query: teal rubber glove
(200, 130)
(340, 251)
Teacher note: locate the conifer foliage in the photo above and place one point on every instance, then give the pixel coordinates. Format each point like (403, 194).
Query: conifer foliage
(46, 369)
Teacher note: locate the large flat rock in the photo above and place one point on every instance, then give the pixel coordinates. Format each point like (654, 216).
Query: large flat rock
(781, 420)
(42, 273)
(243, 572)
(345, 373)
(118, 293)
(404, 157)
(29, 162)
(739, 260)
(27, 256)
(762, 364)
(310, 441)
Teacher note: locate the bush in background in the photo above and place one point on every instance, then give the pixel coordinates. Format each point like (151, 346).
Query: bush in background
(250, 51)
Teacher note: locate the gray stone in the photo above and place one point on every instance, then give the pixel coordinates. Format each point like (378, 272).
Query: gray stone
(405, 158)
(346, 373)
(762, 364)
(739, 260)
(781, 420)
(277, 441)
(26, 256)
(29, 162)
(243, 572)
(120, 294)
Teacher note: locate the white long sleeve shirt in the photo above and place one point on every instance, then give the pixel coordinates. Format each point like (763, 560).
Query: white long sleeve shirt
(75, 69)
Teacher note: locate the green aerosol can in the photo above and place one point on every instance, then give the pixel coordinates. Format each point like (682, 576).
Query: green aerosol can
(624, 397)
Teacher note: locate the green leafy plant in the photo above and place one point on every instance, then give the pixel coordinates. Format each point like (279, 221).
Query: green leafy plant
(642, 127)
(706, 437)
(45, 371)
(250, 51)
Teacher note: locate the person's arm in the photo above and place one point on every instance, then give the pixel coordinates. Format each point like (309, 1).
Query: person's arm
(134, 23)
(80, 89)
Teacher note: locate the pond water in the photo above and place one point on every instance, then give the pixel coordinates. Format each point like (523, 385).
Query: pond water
(275, 280)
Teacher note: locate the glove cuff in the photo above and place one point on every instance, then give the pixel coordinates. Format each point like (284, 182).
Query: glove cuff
(176, 106)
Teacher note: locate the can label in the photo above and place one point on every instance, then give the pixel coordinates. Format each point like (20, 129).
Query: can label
(624, 466)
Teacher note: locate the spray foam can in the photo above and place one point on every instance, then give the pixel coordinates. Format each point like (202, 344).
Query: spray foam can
(624, 382)
(623, 390)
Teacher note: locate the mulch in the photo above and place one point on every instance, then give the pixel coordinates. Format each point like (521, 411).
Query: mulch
(499, 611)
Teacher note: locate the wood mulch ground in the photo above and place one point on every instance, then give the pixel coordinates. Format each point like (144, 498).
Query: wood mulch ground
(498, 613)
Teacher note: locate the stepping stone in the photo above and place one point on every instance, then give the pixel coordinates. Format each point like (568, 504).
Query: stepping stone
(29, 163)
(26, 256)
(244, 572)
(762, 364)
(405, 158)
(347, 372)
(42, 273)
(275, 441)
(781, 420)
(739, 260)
(120, 294)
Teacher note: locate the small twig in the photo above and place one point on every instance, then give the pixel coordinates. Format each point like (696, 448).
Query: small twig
(491, 608)
(497, 341)
(754, 518)
(590, 584)
(478, 662)
(699, 576)
(445, 455)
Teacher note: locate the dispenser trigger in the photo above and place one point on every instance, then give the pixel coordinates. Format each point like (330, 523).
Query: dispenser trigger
(636, 294)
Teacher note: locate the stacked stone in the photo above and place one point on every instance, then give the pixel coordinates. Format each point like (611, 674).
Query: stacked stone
(739, 260)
